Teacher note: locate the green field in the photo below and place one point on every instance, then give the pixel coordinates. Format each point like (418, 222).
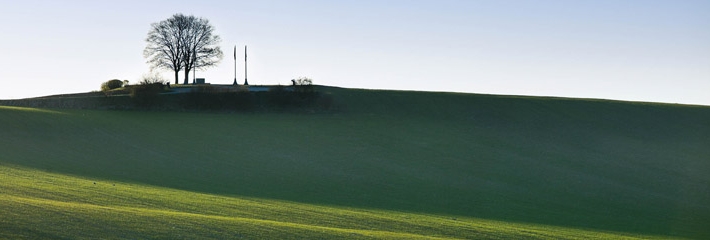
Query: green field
(386, 164)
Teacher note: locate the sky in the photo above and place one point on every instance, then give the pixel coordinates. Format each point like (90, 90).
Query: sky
(636, 50)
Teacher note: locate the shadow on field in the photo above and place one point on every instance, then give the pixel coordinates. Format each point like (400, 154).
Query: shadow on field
(611, 166)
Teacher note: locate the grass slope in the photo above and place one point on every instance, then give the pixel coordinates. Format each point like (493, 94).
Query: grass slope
(37, 204)
(604, 165)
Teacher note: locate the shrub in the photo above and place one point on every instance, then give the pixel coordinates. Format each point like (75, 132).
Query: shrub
(304, 87)
(146, 89)
(153, 77)
(145, 94)
(111, 84)
(302, 81)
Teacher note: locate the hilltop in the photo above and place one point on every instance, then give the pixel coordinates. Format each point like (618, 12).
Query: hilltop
(598, 165)
(200, 97)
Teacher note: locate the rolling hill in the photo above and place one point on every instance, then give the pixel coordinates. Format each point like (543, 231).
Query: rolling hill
(553, 167)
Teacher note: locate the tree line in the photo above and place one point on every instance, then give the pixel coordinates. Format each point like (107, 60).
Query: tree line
(182, 43)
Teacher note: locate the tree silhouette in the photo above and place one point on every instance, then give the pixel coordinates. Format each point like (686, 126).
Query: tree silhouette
(201, 47)
(182, 43)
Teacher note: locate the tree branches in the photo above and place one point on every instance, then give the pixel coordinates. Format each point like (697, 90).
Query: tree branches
(182, 43)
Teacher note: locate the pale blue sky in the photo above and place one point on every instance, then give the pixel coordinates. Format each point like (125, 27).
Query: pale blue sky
(641, 50)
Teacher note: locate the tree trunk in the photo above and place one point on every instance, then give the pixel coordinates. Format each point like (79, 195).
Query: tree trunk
(187, 76)
(176, 77)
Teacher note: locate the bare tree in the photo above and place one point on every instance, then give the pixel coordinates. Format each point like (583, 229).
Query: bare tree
(165, 49)
(201, 46)
(182, 43)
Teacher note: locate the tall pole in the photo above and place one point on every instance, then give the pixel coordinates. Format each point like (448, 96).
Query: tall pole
(245, 66)
(194, 67)
(235, 66)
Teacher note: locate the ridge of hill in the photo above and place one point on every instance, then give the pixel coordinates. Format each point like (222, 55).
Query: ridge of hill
(593, 164)
(204, 97)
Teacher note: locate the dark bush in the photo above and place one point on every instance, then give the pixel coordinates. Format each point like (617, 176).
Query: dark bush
(146, 94)
(302, 81)
(111, 84)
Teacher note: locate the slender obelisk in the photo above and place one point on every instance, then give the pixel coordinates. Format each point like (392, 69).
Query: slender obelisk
(245, 66)
(194, 67)
(235, 66)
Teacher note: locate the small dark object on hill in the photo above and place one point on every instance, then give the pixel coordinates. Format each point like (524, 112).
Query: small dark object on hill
(111, 84)
(303, 81)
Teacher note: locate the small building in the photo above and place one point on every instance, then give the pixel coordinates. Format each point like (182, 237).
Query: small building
(199, 81)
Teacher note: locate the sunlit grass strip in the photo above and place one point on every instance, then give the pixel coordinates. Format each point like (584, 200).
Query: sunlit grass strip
(37, 201)
(494, 230)
(90, 209)
(27, 109)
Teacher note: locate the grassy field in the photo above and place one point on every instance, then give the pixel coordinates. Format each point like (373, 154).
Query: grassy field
(388, 164)
(37, 204)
